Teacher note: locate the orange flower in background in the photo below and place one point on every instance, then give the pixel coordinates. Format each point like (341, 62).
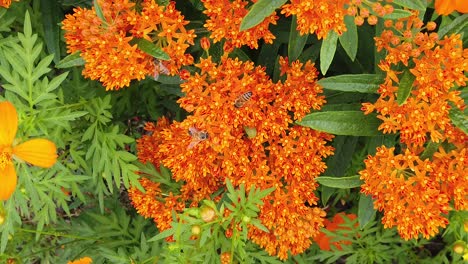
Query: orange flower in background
(224, 19)
(445, 7)
(38, 152)
(323, 240)
(85, 260)
(317, 17)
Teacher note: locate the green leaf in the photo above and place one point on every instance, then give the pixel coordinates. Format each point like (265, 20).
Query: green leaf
(411, 4)
(405, 87)
(250, 131)
(349, 38)
(99, 12)
(51, 16)
(72, 60)
(361, 83)
(340, 182)
(352, 123)
(458, 118)
(149, 48)
(259, 11)
(397, 14)
(366, 211)
(429, 150)
(296, 41)
(458, 25)
(327, 51)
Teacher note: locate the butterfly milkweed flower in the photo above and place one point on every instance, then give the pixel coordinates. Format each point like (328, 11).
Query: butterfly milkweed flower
(6, 3)
(38, 152)
(445, 7)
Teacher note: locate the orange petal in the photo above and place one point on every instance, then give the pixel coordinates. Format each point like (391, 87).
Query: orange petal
(39, 152)
(461, 6)
(444, 7)
(8, 123)
(8, 182)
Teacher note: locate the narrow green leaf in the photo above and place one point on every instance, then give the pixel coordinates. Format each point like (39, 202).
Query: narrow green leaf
(296, 41)
(27, 29)
(51, 16)
(99, 12)
(163, 234)
(352, 123)
(349, 38)
(366, 211)
(405, 87)
(411, 4)
(429, 150)
(259, 11)
(397, 14)
(327, 51)
(340, 182)
(458, 25)
(361, 83)
(72, 60)
(458, 118)
(149, 48)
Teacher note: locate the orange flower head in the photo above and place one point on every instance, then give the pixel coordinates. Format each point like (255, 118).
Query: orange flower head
(38, 152)
(224, 19)
(85, 260)
(318, 17)
(445, 7)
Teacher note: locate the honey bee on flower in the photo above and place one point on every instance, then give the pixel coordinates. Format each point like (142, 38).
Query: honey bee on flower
(197, 136)
(242, 99)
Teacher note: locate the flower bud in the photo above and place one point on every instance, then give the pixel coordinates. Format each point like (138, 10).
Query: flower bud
(205, 43)
(207, 214)
(459, 247)
(196, 230)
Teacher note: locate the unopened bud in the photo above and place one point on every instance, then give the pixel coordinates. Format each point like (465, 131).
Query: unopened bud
(459, 247)
(196, 230)
(207, 214)
(205, 43)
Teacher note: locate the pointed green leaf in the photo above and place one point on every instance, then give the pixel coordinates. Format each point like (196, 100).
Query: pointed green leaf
(99, 12)
(397, 14)
(366, 211)
(458, 118)
(327, 51)
(340, 182)
(405, 87)
(458, 25)
(352, 123)
(72, 60)
(296, 41)
(149, 48)
(349, 38)
(361, 83)
(411, 4)
(163, 234)
(259, 11)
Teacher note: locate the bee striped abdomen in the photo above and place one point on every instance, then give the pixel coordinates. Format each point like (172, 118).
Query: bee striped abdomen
(242, 99)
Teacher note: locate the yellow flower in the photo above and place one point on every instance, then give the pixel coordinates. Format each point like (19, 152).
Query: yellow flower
(85, 260)
(38, 152)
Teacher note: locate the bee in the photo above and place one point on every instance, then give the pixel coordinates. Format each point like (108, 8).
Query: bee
(159, 68)
(242, 99)
(197, 136)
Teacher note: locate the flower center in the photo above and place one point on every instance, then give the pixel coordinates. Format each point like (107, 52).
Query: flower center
(5, 156)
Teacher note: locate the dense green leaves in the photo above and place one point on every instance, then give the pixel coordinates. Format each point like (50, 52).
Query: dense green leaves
(352, 123)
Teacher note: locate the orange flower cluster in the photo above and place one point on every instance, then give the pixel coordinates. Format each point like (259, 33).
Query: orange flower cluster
(106, 43)
(241, 129)
(317, 17)
(360, 11)
(5, 3)
(224, 19)
(438, 66)
(416, 193)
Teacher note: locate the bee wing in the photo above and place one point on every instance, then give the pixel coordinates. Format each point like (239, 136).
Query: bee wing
(193, 143)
